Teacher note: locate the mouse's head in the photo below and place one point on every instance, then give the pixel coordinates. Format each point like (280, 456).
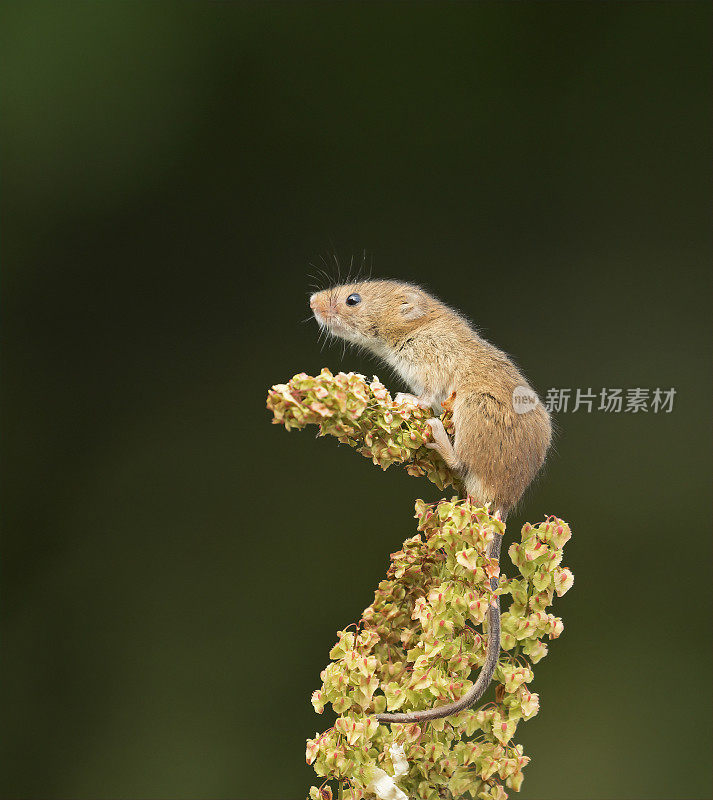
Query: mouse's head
(373, 314)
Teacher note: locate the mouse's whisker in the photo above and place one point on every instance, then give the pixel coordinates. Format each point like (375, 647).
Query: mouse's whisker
(325, 272)
(335, 258)
(360, 271)
(322, 278)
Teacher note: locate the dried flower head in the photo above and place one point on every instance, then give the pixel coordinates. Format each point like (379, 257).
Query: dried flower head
(363, 415)
(417, 644)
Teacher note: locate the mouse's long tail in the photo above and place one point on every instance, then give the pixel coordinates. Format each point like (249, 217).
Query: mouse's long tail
(485, 675)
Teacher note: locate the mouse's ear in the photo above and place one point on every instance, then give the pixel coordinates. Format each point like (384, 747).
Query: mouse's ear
(413, 305)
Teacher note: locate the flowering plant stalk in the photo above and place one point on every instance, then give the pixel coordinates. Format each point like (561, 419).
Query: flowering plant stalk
(362, 414)
(417, 643)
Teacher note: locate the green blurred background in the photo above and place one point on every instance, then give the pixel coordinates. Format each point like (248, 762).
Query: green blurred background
(175, 567)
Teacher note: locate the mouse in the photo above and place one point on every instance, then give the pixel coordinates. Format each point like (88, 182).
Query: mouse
(498, 449)
(502, 429)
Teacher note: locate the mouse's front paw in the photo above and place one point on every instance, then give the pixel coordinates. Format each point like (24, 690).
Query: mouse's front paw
(404, 397)
(411, 399)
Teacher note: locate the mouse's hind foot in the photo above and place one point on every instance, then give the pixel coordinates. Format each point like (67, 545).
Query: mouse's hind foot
(441, 443)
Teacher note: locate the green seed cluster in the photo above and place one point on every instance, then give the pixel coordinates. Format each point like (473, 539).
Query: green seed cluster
(415, 647)
(362, 414)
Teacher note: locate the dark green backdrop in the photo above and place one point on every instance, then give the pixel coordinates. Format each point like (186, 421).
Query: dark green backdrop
(175, 567)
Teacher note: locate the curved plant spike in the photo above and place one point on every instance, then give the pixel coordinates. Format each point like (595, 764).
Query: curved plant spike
(429, 623)
(362, 414)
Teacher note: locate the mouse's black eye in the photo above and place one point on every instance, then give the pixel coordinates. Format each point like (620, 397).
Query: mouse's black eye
(353, 299)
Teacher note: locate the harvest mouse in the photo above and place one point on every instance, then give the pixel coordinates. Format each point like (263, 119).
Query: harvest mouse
(497, 450)
(499, 446)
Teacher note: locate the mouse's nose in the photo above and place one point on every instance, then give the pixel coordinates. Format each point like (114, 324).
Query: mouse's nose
(321, 305)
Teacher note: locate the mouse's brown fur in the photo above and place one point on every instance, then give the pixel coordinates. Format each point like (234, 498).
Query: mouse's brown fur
(436, 351)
